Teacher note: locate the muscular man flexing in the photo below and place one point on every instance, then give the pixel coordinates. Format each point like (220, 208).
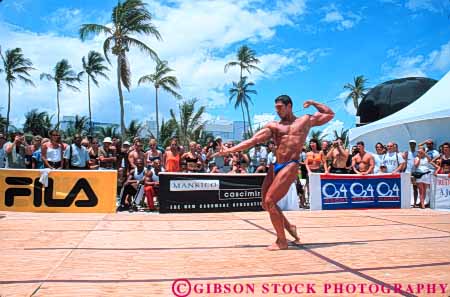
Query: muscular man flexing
(289, 135)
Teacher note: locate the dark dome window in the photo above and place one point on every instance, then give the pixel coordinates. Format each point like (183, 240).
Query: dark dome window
(391, 96)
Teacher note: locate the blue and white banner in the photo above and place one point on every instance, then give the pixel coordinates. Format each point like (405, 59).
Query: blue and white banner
(334, 191)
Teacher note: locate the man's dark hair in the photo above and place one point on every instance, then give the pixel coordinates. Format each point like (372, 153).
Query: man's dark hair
(285, 99)
(339, 138)
(360, 143)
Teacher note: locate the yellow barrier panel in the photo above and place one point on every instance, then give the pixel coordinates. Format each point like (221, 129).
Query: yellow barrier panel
(67, 191)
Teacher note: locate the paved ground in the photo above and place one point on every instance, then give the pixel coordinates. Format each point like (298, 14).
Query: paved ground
(142, 254)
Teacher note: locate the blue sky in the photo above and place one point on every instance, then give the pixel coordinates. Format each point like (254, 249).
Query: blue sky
(308, 49)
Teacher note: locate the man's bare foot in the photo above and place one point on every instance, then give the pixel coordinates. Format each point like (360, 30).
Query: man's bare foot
(277, 246)
(293, 232)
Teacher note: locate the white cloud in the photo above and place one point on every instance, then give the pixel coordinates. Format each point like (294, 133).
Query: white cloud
(342, 20)
(332, 126)
(259, 120)
(416, 5)
(349, 107)
(418, 65)
(200, 37)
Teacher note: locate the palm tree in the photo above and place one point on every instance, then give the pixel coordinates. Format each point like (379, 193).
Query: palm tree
(109, 131)
(63, 75)
(133, 129)
(93, 66)
(246, 60)
(343, 134)
(160, 79)
(16, 67)
(357, 90)
(127, 18)
(189, 126)
(37, 123)
(240, 92)
(2, 122)
(166, 132)
(318, 135)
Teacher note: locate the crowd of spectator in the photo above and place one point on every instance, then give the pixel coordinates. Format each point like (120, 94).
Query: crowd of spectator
(139, 164)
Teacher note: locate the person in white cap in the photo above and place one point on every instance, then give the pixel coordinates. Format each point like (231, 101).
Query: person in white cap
(107, 155)
(409, 157)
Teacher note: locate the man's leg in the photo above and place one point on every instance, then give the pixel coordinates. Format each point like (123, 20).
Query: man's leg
(150, 193)
(276, 191)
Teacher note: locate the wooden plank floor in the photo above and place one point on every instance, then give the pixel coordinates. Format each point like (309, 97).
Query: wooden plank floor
(141, 254)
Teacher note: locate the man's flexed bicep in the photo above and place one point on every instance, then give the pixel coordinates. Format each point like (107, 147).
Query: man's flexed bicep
(323, 115)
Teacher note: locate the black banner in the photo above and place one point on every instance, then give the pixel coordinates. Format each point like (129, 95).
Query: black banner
(202, 192)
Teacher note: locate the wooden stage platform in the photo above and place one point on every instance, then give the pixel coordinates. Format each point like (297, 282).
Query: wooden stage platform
(382, 252)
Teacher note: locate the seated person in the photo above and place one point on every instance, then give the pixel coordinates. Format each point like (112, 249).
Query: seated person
(236, 168)
(151, 183)
(262, 168)
(135, 178)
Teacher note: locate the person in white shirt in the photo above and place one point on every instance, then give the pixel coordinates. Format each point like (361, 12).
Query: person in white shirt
(393, 161)
(76, 156)
(378, 157)
(409, 156)
(422, 163)
(271, 157)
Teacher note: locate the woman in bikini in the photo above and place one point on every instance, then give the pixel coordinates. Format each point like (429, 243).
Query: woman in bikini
(192, 158)
(152, 154)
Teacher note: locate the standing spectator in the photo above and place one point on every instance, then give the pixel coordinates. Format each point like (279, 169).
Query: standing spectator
(152, 154)
(338, 155)
(362, 162)
(36, 157)
(393, 161)
(262, 168)
(410, 157)
(192, 158)
(2, 151)
(122, 155)
(215, 147)
(15, 151)
(76, 156)
(94, 154)
(52, 152)
(271, 156)
(314, 159)
(202, 154)
(151, 183)
(173, 157)
(137, 152)
(256, 153)
(378, 157)
(324, 149)
(423, 179)
(107, 155)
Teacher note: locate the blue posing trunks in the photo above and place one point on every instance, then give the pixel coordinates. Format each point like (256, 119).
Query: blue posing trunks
(279, 166)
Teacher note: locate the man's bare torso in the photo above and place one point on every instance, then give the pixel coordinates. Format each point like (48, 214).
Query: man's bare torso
(290, 137)
(363, 161)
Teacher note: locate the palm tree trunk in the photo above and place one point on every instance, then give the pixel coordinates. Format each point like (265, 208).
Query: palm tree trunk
(243, 118)
(157, 115)
(89, 102)
(122, 112)
(57, 106)
(249, 121)
(355, 102)
(9, 109)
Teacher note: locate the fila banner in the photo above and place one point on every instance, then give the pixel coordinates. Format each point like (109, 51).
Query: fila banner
(348, 191)
(203, 192)
(60, 191)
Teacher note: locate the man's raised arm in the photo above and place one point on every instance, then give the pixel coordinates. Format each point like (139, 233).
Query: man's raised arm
(261, 136)
(322, 116)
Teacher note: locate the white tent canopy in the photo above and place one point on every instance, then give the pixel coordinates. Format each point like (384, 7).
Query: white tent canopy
(427, 117)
